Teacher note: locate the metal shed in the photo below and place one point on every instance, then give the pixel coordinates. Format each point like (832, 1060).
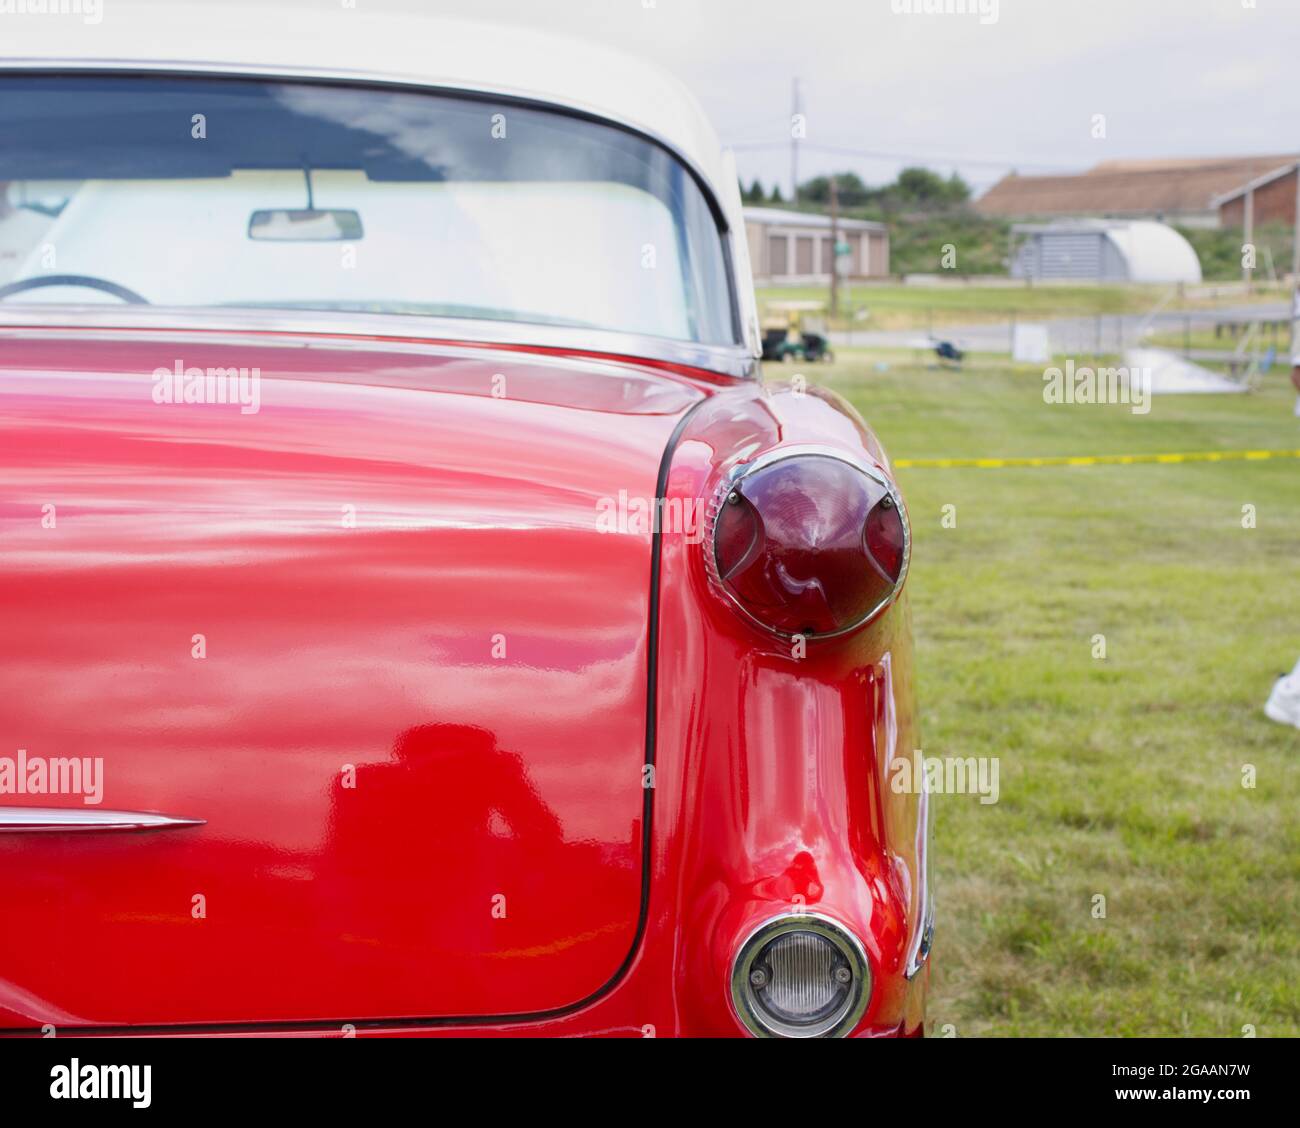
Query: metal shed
(1103, 251)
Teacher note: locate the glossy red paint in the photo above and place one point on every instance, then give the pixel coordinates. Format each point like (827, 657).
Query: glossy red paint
(478, 773)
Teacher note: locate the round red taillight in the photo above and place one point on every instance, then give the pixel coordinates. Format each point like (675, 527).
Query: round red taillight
(809, 544)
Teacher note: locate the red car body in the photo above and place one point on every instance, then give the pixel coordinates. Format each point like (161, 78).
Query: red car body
(434, 751)
(372, 646)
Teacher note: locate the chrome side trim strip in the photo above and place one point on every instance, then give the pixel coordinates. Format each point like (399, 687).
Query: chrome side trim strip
(925, 941)
(923, 930)
(30, 820)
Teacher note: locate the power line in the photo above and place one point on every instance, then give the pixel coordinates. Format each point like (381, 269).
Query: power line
(842, 150)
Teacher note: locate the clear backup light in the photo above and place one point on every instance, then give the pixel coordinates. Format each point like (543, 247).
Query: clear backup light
(808, 543)
(800, 976)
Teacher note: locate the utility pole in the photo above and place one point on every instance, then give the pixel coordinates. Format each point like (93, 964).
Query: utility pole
(795, 127)
(1295, 238)
(835, 247)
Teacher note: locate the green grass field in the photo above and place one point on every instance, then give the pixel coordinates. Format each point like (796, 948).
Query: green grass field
(1177, 340)
(893, 306)
(1120, 777)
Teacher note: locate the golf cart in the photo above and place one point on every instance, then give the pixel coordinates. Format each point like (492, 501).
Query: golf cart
(795, 331)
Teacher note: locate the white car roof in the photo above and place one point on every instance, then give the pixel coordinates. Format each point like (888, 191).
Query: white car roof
(333, 41)
(330, 40)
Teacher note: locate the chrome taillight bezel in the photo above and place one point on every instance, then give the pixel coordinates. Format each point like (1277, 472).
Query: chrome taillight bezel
(740, 472)
(749, 1010)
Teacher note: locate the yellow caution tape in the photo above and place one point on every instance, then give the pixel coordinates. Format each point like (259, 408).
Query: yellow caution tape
(1093, 460)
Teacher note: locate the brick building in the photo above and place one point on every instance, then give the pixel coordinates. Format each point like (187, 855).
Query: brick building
(1274, 199)
(1184, 191)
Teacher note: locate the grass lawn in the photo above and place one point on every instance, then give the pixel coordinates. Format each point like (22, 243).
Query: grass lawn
(1120, 776)
(1177, 339)
(895, 306)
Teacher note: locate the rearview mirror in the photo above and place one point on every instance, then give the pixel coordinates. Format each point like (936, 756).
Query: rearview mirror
(304, 225)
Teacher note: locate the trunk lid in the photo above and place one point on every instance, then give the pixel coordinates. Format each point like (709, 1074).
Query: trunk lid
(372, 633)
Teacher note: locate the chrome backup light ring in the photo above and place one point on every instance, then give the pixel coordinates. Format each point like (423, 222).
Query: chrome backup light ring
(749, 1009)
(743, 470)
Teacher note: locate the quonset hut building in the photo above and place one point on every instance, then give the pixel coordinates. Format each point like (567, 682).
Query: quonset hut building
(1102, 250)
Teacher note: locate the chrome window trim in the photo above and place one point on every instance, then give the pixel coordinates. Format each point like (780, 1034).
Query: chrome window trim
(752, 1017)
(729, 236)
(725, 360)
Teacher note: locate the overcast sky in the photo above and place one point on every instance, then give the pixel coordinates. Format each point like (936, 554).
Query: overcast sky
(1173, 77)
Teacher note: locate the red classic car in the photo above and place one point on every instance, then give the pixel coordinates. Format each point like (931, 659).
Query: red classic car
(417, 615)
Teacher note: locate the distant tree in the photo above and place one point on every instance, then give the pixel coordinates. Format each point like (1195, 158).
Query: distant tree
(756, 194)
(919, 189)
(776, 196)
(852, 192)
(915, 190)
(958, 190)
